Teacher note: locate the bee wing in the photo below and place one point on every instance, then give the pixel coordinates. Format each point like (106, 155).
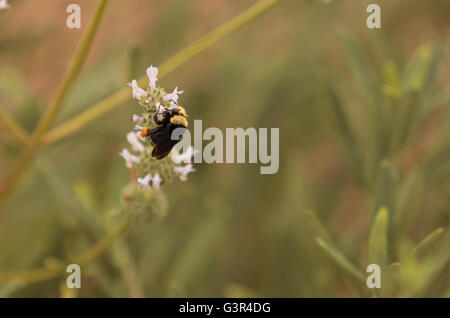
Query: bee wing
(158, 134)
(161, 136)
(162, 150)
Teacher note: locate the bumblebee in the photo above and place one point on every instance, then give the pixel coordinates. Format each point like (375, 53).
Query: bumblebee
(167, 119)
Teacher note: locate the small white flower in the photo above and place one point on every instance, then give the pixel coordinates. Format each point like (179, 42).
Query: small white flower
(138, 128)
(136, 118)
(173, 96)
(152, 73)
(138, 92)
(134, 142)
(129, 158)
(4, 4)
(159, 108)
(145, 181)
(182, 172)
(184, 157)
(156, 181)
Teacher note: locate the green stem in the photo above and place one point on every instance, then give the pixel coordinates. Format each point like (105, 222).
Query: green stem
(102, 107)
(14, 127)
(41, 274)
(102, 245)
(49, 116)
(72, 72)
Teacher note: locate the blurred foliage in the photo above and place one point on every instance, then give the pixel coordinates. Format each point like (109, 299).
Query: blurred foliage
(364, 156)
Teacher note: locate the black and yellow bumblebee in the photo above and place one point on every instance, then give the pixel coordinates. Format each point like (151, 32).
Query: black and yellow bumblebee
(167, 119)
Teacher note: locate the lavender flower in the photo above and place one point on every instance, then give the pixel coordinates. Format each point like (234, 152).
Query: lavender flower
(129, 158)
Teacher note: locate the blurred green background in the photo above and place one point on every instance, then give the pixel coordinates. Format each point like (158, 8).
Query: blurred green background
(364, 123)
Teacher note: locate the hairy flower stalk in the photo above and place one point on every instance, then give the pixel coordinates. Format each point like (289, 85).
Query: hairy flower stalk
(143, 197)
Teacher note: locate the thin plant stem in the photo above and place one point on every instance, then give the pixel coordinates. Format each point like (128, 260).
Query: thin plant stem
(49, 116)
(77, 122)
(14, 127)
(41, 274)
(102, 245)
(72, 72)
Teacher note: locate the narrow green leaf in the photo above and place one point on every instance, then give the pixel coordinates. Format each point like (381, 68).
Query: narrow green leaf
(340, 259)
(392, 83)
(378, 242)
(349, 139)
(386, 188)
(416, 73)
(366, 74)
(435, 262)
(361, 67)
(414, 105)
(428, 241)
(71, 207)
(438, 161)
(318, 227)
(410, 197)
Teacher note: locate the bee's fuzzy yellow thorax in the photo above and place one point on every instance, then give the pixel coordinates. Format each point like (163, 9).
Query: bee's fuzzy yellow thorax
(179, 120)
(181, 111)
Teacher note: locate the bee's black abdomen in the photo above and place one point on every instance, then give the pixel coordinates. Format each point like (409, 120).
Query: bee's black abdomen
(162, 137)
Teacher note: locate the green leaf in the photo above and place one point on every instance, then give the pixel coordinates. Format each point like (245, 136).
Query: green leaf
(202, 248)
(71, 209)
(433, 68)
(416, 73)
(349, 139)
(428, 241)
(363, 71)
(318, 227)
(438, 161)
(386, 188)
(435, 262)
(378, 242)
(392, 83)
(409, 201)
(340, 259)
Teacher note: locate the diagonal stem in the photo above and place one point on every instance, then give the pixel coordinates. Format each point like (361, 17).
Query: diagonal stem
(14, 127)
(41, 274)
(49, 116)
(74, 69)
(111, 102)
